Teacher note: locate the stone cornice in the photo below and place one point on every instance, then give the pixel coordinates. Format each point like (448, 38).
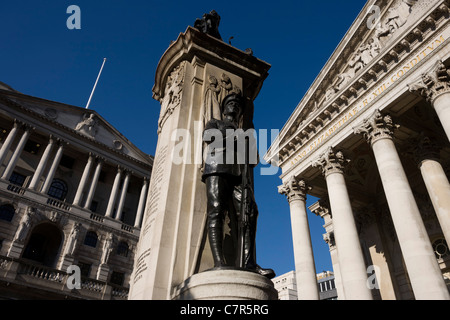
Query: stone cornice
(389, 58)
(193, 43)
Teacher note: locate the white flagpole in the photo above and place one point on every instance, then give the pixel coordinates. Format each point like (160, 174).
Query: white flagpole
(95, 85)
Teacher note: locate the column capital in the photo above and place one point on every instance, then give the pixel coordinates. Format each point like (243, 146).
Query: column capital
(376, 127)
(294, 189)
(331, 162)
(432, 83)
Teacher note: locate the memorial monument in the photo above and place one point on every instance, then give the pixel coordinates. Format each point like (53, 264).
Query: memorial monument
(198, 235)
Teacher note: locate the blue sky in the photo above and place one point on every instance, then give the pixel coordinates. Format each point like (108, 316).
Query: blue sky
(41, 57)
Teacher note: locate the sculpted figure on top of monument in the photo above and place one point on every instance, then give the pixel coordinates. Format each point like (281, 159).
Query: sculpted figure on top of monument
(209, 24)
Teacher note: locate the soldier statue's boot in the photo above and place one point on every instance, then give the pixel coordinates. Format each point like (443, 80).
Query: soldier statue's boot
(250, 255)
(216, 242)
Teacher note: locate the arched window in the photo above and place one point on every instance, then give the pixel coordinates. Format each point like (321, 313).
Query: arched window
(122, 249)
(7, 212)
(58, 189)
(91, 239)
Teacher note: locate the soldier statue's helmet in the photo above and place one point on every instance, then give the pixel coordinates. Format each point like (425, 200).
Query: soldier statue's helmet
(234, 97)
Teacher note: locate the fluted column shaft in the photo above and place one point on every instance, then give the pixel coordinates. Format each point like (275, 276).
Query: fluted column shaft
(17, 152)
(123, 196)
(54, 167)
(42, 164)
(113, 196)
(305, 270)
(141, 205)
(351, 260)
(83, 181)
(425, 275)
(8, 142)
(93, 187)
(427, 156)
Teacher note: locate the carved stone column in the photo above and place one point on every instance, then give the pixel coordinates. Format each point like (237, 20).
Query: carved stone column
(351, 260)
(83, 180)
(140, 209)
(42, 164)
(434, 86)
(113, 196)
(123, 195)
(8, 141)
(436, 182)
(15, 157)
(93, 187)
(54, 167)
(305, 271)
(424, 272)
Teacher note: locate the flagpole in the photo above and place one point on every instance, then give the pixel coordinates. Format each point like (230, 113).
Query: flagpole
(95, 85)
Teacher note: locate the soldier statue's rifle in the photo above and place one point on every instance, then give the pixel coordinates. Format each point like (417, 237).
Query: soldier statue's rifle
(245, 206)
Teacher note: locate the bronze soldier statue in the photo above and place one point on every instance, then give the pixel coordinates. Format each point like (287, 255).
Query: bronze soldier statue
(229, 190)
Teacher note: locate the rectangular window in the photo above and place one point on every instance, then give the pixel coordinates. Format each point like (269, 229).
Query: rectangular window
(117, 278)
(85, 269)
(94, 206)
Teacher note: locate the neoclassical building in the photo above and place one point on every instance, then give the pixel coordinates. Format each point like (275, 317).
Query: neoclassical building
(72, 193)
(370, 139)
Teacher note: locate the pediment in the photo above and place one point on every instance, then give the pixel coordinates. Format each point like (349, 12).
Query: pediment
(365, 42)
(82, 122)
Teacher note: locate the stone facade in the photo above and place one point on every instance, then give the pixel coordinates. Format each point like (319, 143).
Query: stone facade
(72, 192)
(371, 140)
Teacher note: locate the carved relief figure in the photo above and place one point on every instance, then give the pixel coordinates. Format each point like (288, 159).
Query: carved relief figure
(25, 224)
(72, 241)
(88, 125)
(396, 18)
(211, 104)
(107, 248)
(225, 87)
(172, 94)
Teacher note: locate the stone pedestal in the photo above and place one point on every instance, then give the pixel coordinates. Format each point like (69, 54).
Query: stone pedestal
(226, 285)
(15, 251)
(103, 272)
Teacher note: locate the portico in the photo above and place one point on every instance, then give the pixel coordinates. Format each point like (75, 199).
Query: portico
(374, 148)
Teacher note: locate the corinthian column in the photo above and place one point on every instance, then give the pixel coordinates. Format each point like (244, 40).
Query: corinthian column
(8, 141)
(425, 275)
(351, 260)
(42, 164)
(140, 209)
(15, 157)
(436, 182)
(114, 191)
(305, 270)
(434, 86)
(84, 178)
(54, 167)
